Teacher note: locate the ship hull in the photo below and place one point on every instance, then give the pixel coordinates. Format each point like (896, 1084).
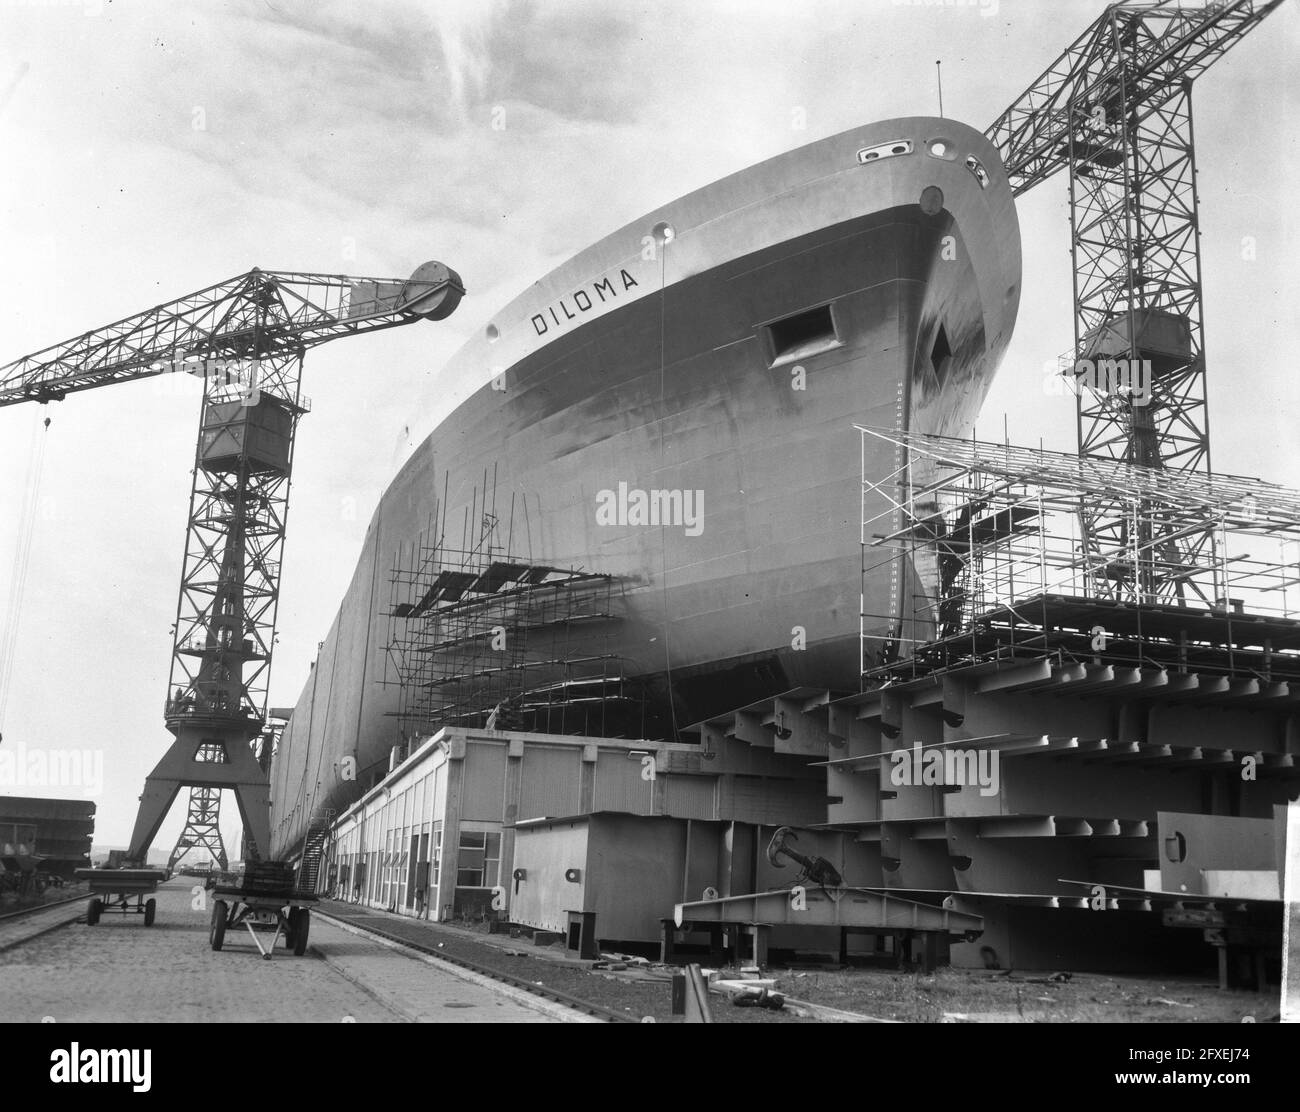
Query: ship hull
(718, 372)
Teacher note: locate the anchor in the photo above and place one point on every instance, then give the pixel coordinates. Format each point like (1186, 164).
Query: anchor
(816, 869)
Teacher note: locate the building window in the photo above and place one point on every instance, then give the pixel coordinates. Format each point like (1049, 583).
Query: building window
(479, 862)
(492, 861)
(435, 869)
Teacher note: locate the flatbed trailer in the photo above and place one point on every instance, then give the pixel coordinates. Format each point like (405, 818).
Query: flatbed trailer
(121, 891)
(266, 900)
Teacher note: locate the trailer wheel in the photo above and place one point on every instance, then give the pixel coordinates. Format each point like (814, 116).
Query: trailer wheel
(150, 910)
(217, 931)
(93, 912)
(290, 927)
(301, 931)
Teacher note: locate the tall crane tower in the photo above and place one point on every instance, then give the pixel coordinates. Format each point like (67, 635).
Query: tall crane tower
(1115, 111)
(246, 337)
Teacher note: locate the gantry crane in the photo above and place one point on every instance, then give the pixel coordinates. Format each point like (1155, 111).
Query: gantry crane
(1115, 111)
(246, 337)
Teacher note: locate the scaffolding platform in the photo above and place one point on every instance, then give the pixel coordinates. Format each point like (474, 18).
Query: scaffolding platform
(480, 637)
(1002, 533)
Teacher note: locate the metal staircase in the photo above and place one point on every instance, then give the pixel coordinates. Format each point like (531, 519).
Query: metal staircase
(313, 851)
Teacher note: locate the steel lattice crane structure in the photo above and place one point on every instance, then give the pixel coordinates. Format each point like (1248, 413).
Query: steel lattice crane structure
(246, 337)
(1115, 111)
(202, 829)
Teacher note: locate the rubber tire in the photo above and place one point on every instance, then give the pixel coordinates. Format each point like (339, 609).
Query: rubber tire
(93, 911)
(294, 927)
(150, 910)
(301, 931)
(217, 929)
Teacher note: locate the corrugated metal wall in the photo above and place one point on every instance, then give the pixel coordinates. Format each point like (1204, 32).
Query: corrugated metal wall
(619, 786)
(764, 800)
(690, 797)
(552, 783)
(484, 782)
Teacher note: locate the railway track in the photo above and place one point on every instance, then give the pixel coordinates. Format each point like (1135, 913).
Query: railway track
(554, 995)
(10, 938)
(13, 916)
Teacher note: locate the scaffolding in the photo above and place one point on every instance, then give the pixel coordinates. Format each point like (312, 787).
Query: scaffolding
(1011, 573)
(1115, 109)
(479, 637)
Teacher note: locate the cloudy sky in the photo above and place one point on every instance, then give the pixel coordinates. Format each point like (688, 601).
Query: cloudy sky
(152, 149)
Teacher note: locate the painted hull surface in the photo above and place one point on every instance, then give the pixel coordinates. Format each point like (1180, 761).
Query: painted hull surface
(728, 365)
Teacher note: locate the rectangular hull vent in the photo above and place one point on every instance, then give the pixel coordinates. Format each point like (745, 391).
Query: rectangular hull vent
(802, 335)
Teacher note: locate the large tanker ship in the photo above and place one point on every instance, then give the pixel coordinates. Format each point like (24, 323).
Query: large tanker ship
(674, 407)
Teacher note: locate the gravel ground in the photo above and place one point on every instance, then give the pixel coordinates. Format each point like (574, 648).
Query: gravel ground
(547, 965)
(959, 995)
(951, 995)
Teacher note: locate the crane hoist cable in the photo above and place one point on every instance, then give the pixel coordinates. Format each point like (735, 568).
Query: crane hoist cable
(22, 561)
